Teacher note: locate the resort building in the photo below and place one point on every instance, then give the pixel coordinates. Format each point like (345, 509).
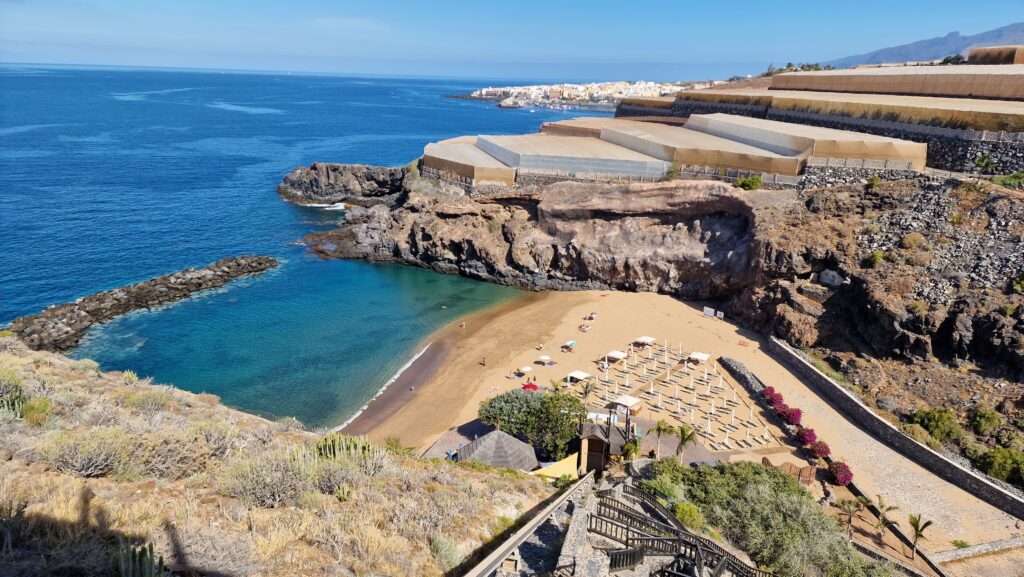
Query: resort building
(598, 148)
(970, 116)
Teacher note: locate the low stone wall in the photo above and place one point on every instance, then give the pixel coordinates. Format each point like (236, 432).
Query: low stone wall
(822, 176)
(865, 418)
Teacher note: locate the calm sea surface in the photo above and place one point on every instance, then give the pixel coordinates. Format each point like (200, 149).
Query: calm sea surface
(109, 177)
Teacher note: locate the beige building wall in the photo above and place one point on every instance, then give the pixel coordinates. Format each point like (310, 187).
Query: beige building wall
(964, 81)
(996, 55)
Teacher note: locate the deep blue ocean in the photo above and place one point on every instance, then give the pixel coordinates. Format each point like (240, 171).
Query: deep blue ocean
(109, 177)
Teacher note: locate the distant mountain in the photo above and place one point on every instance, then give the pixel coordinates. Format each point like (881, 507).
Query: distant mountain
(935, 48)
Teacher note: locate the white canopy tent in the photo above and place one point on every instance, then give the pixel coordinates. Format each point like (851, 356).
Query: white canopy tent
(577, 376)
(645, 341)
(615, 356)
(699, 357)
(544, 360)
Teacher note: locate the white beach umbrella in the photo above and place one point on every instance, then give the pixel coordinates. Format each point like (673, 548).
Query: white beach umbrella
(525, 369)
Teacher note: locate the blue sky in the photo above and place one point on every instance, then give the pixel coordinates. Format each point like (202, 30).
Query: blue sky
(681, 39)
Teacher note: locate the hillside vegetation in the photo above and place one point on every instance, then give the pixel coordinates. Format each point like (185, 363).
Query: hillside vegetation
(90, 460)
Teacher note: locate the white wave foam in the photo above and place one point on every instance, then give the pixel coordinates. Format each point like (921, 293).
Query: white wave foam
(382, 389)
(244, 109)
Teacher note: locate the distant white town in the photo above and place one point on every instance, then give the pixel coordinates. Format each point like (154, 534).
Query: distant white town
(594, 94)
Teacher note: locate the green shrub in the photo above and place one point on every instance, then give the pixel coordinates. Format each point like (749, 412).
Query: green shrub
(689, 515)
(1009, 309)
(1004, 464)
(984, 164)
(36, 411)
(752, 182)
(960, 543)
(97, 452)
(918, 307)
(985, 421)
(921, 435)
(874, 260)
(767, 514)
(1015, 180)
(564, 481)
(941, 424)
(873, 182)
(1017, 285)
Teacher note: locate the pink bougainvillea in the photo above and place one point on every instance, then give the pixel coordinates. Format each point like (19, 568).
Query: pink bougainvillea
(806, 436)
(820, 449)
(792, 416)
(841, 473)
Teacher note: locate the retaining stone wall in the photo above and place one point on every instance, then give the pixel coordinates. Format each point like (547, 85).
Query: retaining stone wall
(821, 176)
(866, 419)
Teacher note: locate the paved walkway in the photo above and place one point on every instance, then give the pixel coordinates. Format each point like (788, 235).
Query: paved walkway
(880, 470)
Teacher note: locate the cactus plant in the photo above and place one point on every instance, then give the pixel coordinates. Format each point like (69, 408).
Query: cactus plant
(140, 561)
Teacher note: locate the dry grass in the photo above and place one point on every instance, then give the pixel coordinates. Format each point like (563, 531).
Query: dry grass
(219, 490)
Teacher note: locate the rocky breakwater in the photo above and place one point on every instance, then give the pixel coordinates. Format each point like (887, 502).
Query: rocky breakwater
(686, 238)
(356, 184)
(61, 327)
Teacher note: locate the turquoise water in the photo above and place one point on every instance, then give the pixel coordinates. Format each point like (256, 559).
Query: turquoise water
(109, 177)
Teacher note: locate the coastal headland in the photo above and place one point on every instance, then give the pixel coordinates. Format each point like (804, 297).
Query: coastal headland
(61, 327)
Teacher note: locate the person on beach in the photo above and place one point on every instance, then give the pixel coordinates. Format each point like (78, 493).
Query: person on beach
(483, 362)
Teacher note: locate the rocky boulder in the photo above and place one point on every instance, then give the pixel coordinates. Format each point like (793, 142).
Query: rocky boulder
(356, 184)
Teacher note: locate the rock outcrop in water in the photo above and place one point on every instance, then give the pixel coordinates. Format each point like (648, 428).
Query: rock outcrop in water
(359, 184)
(61, 327)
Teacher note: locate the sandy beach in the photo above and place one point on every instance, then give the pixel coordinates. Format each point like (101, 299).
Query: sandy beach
(449, 385)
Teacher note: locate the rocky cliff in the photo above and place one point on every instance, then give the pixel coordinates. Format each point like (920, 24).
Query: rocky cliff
(61, 327)
(694, 240)
(327, 183)
(916, 274)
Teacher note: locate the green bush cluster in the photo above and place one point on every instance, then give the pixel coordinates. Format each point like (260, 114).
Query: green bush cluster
(1005, 464)
(1015, 180)
(752, 182)
(548, 421)
(874, 260)
(941, 424)
(765, 513)
(985, 421)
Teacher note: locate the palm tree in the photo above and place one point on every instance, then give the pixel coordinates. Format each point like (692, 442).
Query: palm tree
(661, 428)
(686, 436)
(918, 526)
(849, 509)
(588, 389)
(883, 517)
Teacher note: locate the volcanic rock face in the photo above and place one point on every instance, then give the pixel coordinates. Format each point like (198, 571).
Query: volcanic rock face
(61, 327)
(688, 239)
(326, 183)
(912, 271)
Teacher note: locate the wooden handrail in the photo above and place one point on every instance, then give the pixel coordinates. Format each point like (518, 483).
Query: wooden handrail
(491, 562)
